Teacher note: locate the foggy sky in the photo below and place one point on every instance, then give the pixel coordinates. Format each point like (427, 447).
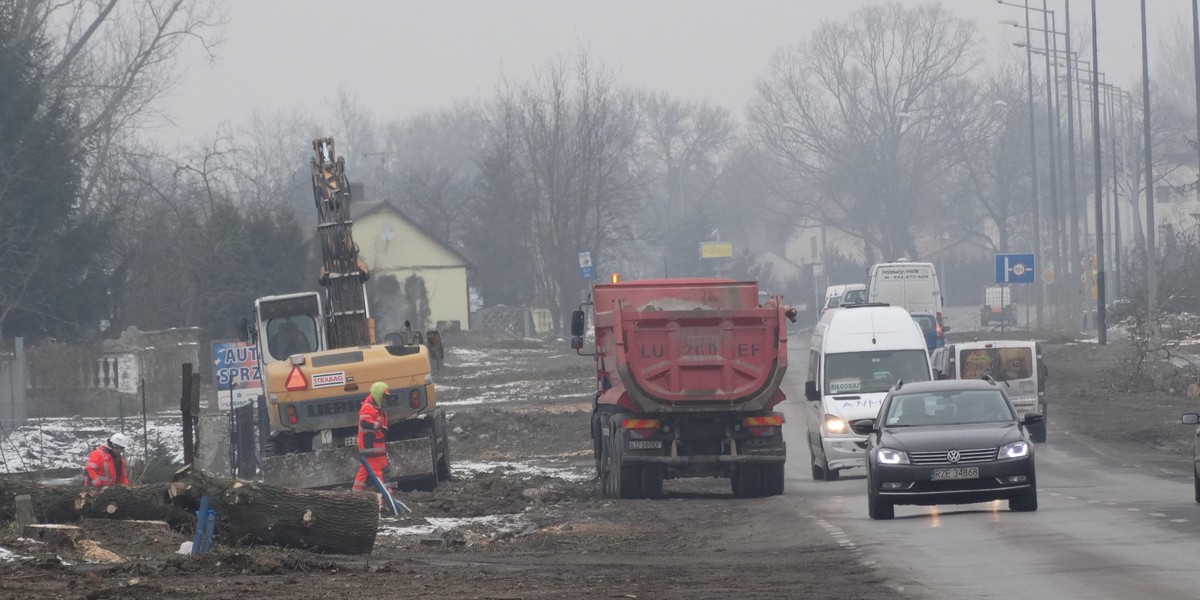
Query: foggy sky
(398, 57)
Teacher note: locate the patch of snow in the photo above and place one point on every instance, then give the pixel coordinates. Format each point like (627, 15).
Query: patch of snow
(498, 523)
(59, 443)
(7, 555)
(568, 473)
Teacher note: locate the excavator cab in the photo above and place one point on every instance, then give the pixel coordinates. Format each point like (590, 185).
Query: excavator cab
(290, 324)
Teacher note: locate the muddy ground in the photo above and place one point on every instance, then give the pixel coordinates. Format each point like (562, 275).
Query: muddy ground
(506, 530)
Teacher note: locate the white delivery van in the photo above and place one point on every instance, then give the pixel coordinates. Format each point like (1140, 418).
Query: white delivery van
(1016, 365)
(912, 285)
(857, 353)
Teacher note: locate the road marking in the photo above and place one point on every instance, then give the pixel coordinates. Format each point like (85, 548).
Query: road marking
(1179, 520)
(1156, 514)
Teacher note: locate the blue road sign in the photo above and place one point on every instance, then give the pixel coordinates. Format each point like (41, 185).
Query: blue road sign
(587, 270)
(1015, 268)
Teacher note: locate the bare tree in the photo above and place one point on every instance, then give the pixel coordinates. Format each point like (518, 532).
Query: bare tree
(865, 113)
(684, 146)
(994, 172)
(573, 138)
(113, 62)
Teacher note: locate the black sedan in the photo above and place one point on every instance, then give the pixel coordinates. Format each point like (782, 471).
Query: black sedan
(948, 442)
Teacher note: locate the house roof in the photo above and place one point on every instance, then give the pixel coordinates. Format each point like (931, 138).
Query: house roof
(362, 210)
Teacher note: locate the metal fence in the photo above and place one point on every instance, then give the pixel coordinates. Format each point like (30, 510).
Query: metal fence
(13, 402)
(504, 321)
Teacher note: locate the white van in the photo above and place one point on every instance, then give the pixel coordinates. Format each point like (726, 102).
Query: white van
(855, 356)
(1016, 365)
(850, 293)
(912, 285)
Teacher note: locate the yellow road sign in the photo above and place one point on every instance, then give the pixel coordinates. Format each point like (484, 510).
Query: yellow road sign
(716, 250)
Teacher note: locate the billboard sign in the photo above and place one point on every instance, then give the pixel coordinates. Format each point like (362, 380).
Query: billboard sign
(237, 373)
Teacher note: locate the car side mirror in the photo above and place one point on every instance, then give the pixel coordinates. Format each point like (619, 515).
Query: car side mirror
(578, 320)
(1033, 418)
(945, 329)
(863, 427)
(1190, 419)
(811, 392)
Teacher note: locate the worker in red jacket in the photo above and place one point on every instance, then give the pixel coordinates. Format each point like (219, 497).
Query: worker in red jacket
(105, 465)
(372, 434)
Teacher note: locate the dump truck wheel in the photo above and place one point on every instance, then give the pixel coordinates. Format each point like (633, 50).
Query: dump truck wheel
(749, 481)
(772, 480)
(626, 479)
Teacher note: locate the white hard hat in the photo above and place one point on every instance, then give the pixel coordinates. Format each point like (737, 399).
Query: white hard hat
(120, 439)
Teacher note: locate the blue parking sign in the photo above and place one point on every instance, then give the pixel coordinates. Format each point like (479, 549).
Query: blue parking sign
(587, 270)
(1015, 268)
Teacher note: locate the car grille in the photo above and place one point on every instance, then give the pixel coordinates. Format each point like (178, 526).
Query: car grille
(965, 457)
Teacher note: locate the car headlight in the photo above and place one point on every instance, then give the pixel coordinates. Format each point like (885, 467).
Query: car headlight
(887, 456)
(1014, 450)
(835, 424)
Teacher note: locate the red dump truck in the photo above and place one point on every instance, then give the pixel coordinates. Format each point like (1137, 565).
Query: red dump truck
(687, 372)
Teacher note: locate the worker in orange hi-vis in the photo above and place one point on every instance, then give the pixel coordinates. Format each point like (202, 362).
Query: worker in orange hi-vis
(106, 465)
(372, 435)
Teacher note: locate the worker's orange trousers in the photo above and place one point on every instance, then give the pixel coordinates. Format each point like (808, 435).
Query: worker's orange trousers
(377, 462)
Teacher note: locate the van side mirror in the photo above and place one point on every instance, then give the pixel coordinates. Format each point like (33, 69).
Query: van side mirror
(578, 321)
(945, 329)
(811, 392)
(245, 331)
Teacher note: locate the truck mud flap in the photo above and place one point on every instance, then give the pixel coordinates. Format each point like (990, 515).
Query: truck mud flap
(331, 468)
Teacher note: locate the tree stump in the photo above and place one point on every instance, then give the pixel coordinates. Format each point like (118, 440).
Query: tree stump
(55, 535)
(255, 513)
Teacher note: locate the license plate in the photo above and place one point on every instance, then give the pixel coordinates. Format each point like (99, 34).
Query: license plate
(645, 445)
(956, 473)
(351, 441)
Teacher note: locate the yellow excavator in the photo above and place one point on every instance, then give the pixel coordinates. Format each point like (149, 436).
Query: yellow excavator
(319, 359)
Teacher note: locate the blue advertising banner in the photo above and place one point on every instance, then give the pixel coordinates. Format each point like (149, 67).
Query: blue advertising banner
(236, 370)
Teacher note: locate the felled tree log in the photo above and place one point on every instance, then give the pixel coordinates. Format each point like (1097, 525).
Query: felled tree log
(255, 513)
(63, 504)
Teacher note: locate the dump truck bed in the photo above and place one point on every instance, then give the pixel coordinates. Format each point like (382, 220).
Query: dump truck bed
(690, 345)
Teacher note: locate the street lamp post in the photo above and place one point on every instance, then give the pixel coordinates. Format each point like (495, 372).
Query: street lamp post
(1033, 170)
(1101, 317)
(1151, 225)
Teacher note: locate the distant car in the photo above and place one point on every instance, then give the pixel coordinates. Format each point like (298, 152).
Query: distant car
(948, 442)
(855, 293)
(935, 336)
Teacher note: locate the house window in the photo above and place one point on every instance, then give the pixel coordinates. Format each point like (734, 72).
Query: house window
(1162, 194)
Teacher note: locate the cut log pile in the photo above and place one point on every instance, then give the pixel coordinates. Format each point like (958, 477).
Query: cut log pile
(247, 512)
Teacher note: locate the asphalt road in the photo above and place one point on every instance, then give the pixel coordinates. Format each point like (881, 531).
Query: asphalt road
(1106, 527)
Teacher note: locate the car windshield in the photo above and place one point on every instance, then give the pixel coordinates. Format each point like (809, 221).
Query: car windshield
(948, 408)
(926, 322)
(867, 372)
(855, 297)
(1001, 364)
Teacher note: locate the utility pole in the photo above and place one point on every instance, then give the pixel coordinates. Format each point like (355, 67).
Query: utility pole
(1033, 170)
(1151, 226)
(1052, 142)
(1196, 67)
(1098, 209)
(1072, 189)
